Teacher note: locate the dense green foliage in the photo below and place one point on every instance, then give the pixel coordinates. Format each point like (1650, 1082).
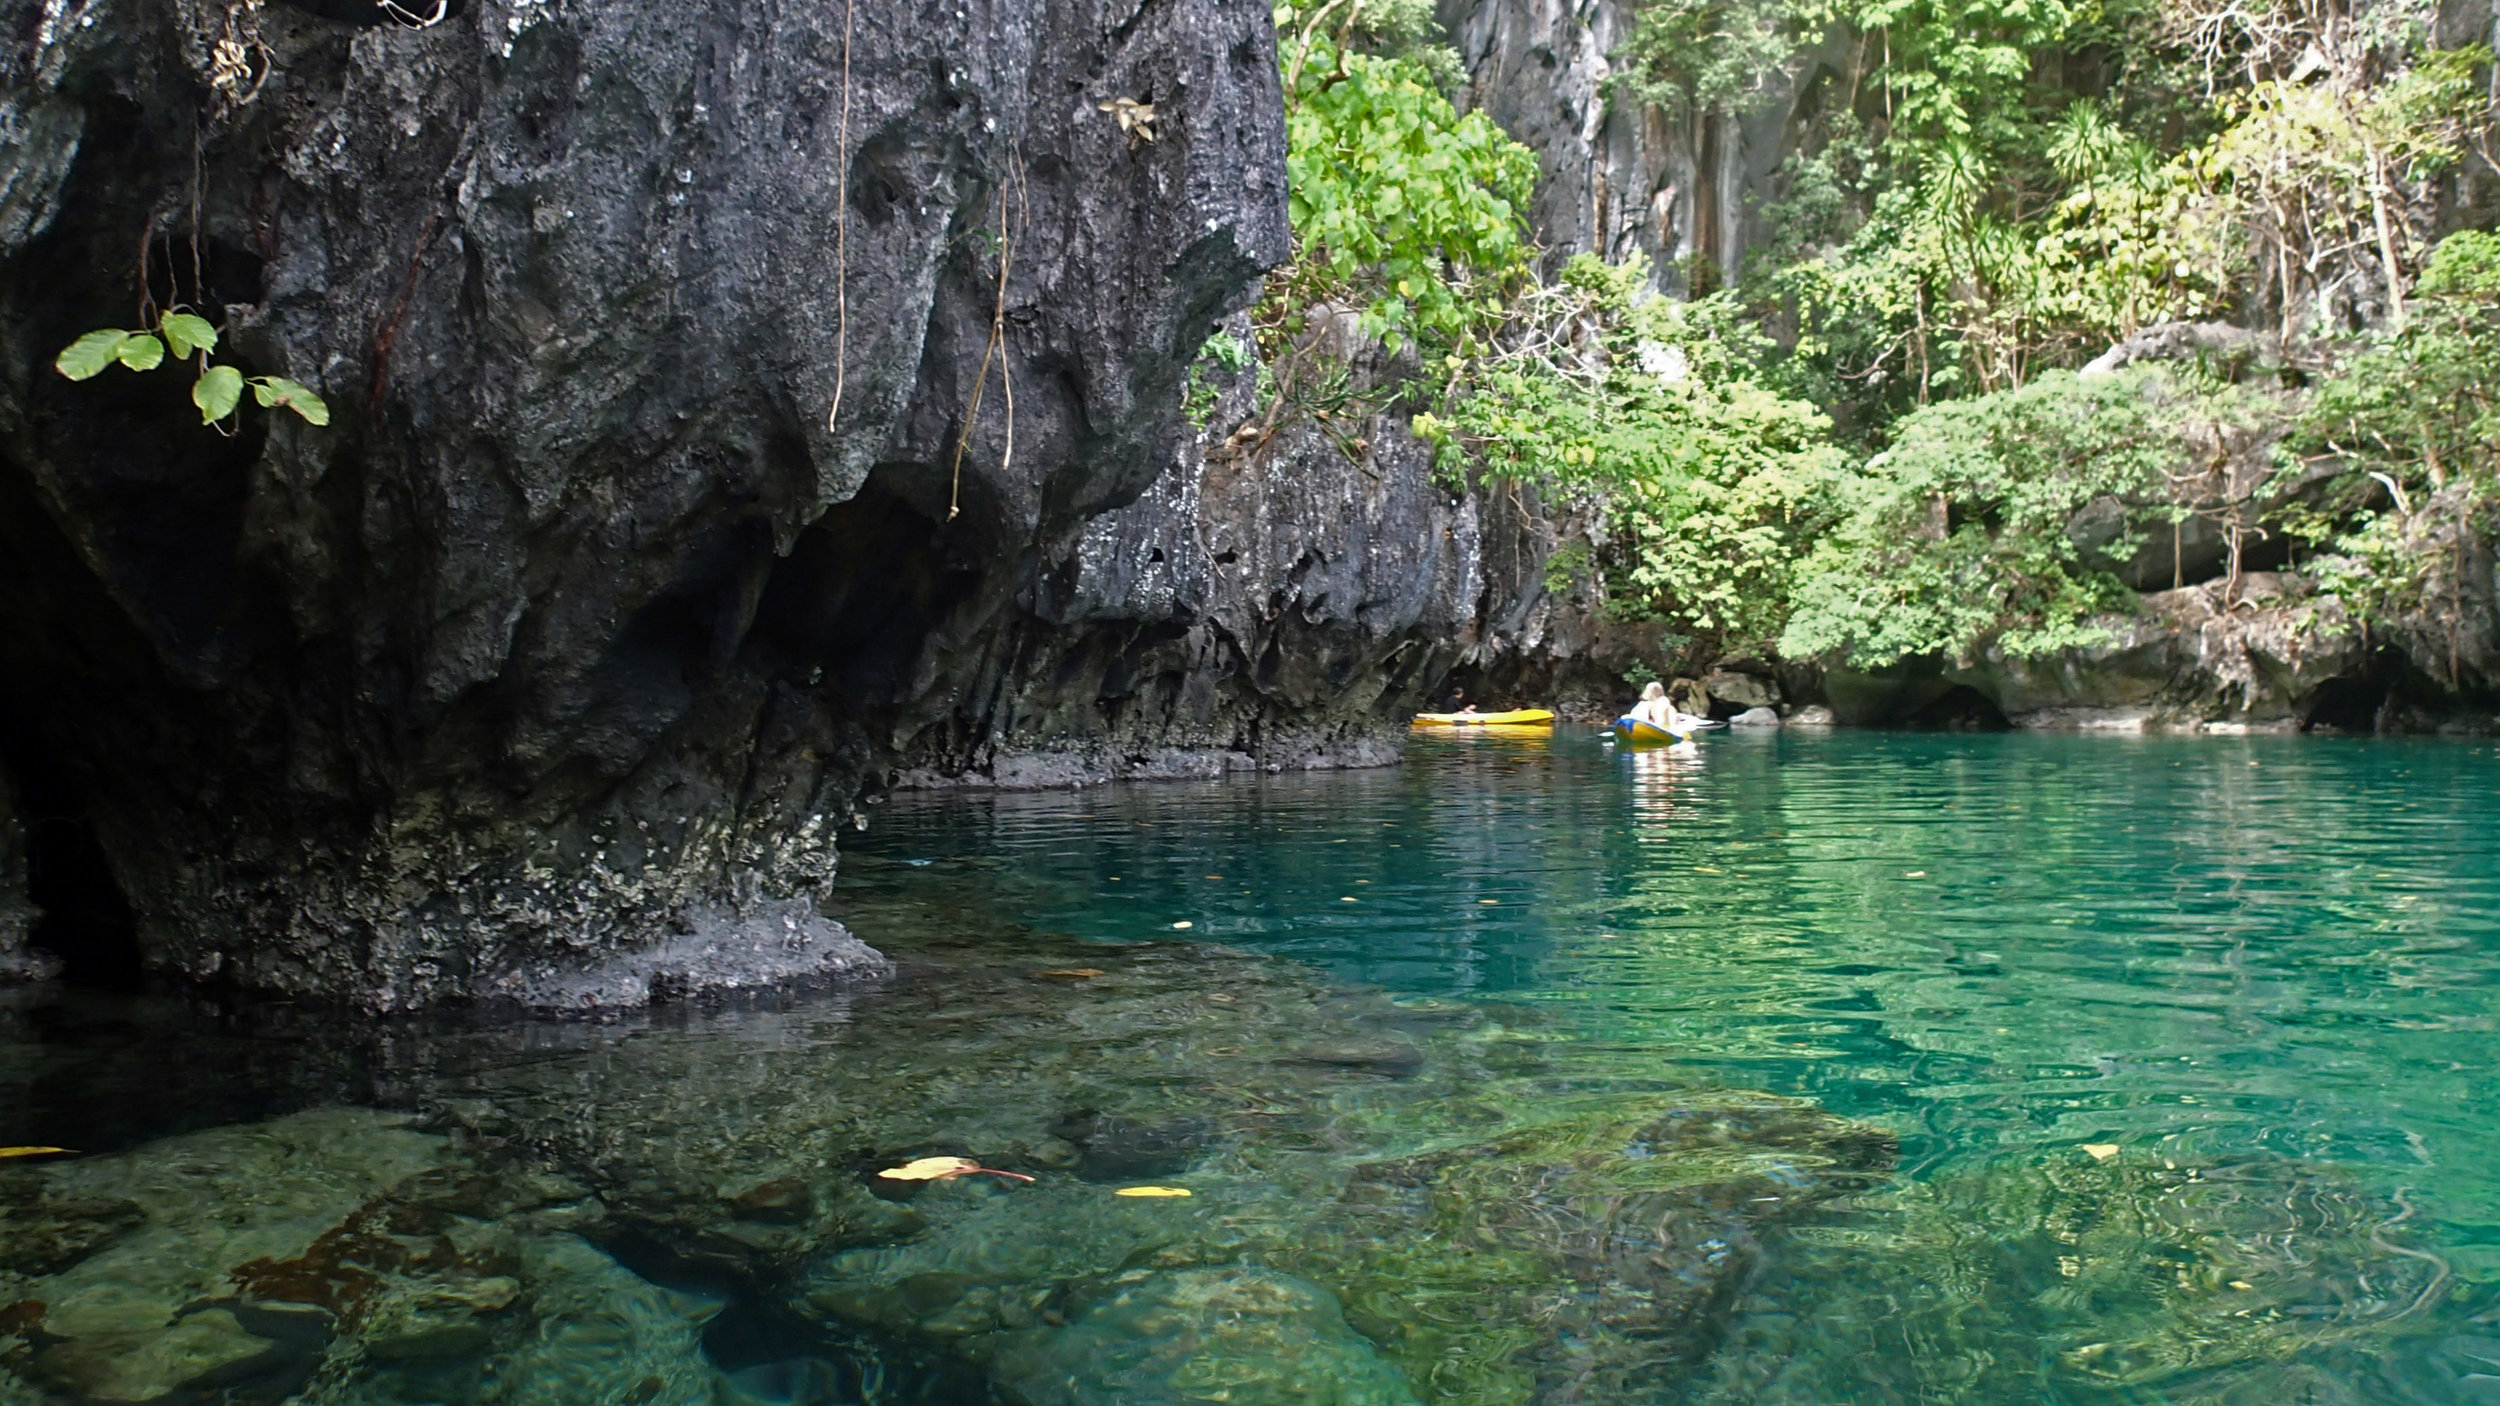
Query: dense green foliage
(1402, 208)
(1708, 485)
(1959, 533)
(1875, 442)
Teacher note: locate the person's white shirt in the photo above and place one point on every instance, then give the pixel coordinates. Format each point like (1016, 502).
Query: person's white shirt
(1657, 712)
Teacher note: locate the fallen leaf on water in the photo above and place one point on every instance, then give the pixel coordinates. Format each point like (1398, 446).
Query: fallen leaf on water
(2101, 1151)
(931, 1169)
(1704, 869)
(1151, 1191)
(2242, 1284)
(1915, 874)
(1184, 924)
(31, 1151)
(1070, 973)
(943, 1169)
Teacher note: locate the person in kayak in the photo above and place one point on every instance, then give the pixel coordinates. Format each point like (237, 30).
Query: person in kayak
(1656, 710)
(1458, 701)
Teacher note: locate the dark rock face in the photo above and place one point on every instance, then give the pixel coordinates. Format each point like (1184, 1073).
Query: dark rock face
(1276, 601)
(575, 635)
(17, 914)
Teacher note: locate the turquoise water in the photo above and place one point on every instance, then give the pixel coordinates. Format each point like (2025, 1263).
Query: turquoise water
(2212, 953)
(1843, 1068)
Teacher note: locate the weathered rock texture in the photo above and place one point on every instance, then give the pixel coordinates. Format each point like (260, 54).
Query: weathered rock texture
(17, 912)
(575, 634)
(1269, 604)
(1691, 191)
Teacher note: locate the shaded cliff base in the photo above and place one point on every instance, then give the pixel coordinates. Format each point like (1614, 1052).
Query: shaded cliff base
(2275, 655)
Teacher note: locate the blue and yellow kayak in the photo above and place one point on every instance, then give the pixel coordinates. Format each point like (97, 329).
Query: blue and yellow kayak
(1516, 717)
(1633, 732)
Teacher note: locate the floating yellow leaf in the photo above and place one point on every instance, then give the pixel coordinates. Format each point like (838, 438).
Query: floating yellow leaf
(1070, 973)
(931, 1169)
(31, 1151)
(1915, 874)
(1152, 1191)
(1184, 923)
(2101, 1151)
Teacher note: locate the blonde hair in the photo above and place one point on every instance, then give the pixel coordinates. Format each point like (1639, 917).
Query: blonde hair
(1655, 690)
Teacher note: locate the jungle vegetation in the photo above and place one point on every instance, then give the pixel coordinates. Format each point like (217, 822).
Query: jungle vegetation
(2166, 266)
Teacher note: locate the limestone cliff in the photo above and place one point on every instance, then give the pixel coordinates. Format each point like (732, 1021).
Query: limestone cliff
(552, 665)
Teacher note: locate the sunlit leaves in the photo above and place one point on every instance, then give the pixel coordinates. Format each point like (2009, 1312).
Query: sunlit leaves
(140, 352)
(188, 332)
(90, 354)
(1401, 206)
(218, 390)
(278, 391)
(1705, 485)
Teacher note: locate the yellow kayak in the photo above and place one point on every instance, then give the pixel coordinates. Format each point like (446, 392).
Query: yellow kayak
(1516, 717)
(1634, 732)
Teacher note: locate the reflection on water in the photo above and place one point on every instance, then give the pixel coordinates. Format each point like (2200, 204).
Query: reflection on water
(1794, 1070)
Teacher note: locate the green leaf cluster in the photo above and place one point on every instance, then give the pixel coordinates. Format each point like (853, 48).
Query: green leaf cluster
(1959, 534)
(219, 389)
(1709, 485)
(2416, 411)
(1402, 207)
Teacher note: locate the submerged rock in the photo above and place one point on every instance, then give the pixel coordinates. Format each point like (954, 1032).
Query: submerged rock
(2069, 1276)
(1237, 1334)
(1590, 1255)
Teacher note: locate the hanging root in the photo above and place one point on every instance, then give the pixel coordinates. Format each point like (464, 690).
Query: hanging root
(410, 19)
(998, 334)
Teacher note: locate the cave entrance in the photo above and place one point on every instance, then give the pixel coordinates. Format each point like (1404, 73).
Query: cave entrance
(86, 919)
(1960, 708)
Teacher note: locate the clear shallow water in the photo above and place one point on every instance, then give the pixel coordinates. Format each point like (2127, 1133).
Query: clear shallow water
(2117, 1070)
(2215, 953)
(1991, 942)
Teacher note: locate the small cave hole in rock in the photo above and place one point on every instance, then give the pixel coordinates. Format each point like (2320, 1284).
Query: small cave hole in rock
(86, 919)
(1960, 709)
(2348, 704)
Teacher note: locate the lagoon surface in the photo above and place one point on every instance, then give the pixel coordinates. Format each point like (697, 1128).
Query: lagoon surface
(1806, 1069)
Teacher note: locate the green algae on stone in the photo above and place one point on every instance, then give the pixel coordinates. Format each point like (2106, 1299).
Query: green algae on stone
(1592, 1255)
(1238, 1335)
(131, 1310)
(2065, 1277)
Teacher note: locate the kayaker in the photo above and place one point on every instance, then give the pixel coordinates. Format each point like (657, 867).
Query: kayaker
(1655, 710)
(1458, 701)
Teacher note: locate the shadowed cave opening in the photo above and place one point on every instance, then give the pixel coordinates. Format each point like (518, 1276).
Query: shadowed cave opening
(862, 591)
(86, 919)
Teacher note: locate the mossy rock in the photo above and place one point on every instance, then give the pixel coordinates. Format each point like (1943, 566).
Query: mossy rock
(1595, 1255)
(2069, 1277)
(1237, 1335)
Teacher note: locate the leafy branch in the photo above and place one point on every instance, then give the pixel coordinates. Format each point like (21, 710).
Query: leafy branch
(217, 392)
